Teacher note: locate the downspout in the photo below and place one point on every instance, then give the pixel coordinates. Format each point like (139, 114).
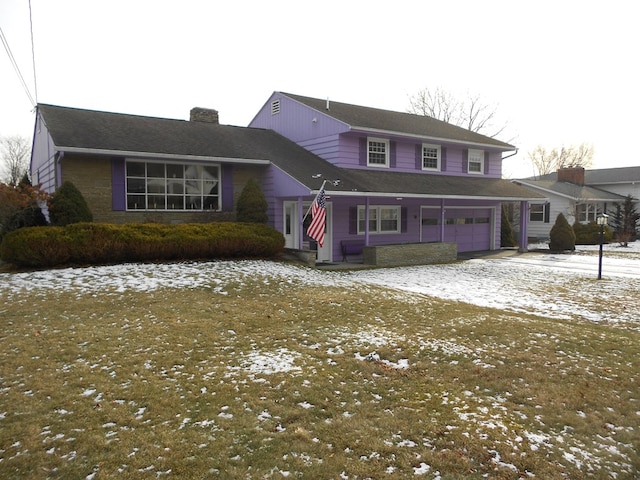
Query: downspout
(58, 169)
(524, 225)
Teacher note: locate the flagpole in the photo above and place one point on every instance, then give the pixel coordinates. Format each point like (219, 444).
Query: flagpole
(310, 206)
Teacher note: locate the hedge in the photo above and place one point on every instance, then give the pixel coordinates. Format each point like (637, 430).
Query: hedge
(100, 243)
(589, 234)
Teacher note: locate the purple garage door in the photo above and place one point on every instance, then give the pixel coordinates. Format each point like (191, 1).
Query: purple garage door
(470, 228)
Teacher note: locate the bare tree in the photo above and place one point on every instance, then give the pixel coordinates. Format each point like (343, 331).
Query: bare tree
(548, 161)
(15, 152)
(470, 113)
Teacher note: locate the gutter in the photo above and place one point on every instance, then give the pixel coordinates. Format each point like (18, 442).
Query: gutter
(161, 156)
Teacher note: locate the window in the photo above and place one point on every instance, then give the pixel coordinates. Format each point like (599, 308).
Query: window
(378, 152)
(586, 212)
(476, 162)
(172, 186)
(382, 219)
(430, 157)
(537, 212)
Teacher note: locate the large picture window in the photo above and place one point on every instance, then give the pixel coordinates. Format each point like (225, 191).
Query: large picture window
(382, 219)
(172, 186)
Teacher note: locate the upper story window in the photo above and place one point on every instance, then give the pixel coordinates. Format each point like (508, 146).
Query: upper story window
(172, 186)
(431, 157)
(382, 219)
(377, 152)
(476, 162)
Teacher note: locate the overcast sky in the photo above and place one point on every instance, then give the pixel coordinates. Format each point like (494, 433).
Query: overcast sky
(559, 72)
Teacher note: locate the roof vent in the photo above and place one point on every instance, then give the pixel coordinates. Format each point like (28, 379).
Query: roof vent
(275, 107)
(204, 115)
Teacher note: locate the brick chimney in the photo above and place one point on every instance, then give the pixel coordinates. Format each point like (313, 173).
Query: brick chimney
(205, 115)
(571, 175)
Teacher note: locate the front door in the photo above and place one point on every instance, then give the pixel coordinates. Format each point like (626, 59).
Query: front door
(324, 253)
(290, 220)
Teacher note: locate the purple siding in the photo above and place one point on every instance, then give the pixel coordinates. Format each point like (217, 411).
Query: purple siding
(296, 121)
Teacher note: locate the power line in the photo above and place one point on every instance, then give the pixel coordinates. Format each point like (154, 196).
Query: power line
(15, 67)
(33, 53)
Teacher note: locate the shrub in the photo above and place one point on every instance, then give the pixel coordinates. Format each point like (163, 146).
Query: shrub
(562, 236)
(98, 243)
(252, 206)
(506, 231)
(67, 205)
(589, 233)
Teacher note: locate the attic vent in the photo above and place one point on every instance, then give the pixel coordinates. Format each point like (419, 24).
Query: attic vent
(275, 107)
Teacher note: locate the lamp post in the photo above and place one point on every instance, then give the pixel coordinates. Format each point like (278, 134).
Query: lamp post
(601, 220)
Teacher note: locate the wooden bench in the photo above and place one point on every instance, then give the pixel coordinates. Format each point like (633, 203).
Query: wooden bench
(351, 247)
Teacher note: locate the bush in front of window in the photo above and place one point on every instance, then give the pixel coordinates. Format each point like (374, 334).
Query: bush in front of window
(252, 206)
(67, 206)
(562, 236)
(98, 243)
(589, 233)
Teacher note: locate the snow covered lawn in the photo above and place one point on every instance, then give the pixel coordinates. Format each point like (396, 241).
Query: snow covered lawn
(257, 369)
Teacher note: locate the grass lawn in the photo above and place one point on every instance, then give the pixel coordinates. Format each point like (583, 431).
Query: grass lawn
(273, 379)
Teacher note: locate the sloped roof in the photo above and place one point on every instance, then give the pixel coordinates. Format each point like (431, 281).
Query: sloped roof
(367, 118)
(599, 176)
(571, 190)
(79, 130)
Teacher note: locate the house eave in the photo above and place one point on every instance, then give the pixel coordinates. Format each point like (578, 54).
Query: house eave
(427, 138)
(162, 156)
(402, 195)
(564, 195)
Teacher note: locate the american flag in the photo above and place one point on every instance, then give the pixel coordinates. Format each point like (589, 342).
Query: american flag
(318, 218)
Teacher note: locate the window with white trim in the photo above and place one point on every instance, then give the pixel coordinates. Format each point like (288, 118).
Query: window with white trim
(476, 162)
(377, 152)
(586, 212)
(430, 157)
(537, 212)
(172, 186)
(382, 219)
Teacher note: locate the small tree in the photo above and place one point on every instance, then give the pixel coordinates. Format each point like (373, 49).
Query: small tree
(15, 153)
(506, 231)
(67, 205)
(252, 206)
(562, 236)
(625, 221)
(20, 206)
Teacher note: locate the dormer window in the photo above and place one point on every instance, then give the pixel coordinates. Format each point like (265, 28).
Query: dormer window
(476, 162)
(377, 152)
(431, 157)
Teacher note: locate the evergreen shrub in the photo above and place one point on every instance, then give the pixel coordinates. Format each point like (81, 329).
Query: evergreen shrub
(562, 236)
(67, 205)
(99, 243)
(252, 206)
(589, 233)
(506, 231)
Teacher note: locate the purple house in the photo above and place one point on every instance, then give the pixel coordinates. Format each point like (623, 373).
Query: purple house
(395, 178)
(391, 178)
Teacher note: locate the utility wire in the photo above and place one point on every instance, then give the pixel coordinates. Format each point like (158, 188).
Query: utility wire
(15, 67)
(33, 54)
